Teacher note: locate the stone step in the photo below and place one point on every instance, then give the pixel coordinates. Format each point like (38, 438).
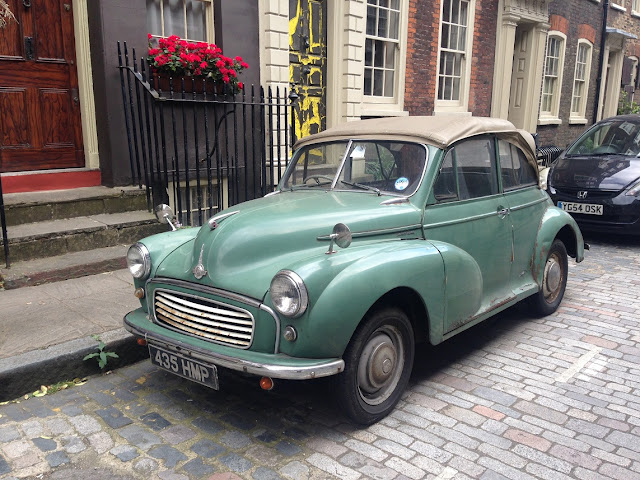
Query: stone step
(22, 208)
(63, 267)
(58, 237)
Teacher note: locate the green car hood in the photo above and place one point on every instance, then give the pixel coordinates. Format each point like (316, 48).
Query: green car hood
(245, 250)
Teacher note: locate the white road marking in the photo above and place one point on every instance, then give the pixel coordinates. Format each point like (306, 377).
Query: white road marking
(578, 365)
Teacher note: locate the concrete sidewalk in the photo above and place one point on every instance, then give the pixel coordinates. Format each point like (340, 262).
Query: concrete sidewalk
(45, 330)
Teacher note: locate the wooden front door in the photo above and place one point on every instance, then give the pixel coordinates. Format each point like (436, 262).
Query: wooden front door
(40, 124)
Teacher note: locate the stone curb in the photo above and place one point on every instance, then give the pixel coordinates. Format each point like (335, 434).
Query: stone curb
(25, 373)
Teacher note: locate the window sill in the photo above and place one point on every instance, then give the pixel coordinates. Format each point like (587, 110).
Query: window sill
(578, 121)
(549, 121)
(618, 7)
(381, 111)
(452, 112)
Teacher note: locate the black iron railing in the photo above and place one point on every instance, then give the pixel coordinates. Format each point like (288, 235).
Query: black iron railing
(3, 224)
(200, 147)
(547, 154)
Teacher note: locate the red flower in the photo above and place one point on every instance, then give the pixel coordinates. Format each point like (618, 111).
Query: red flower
(177, 57)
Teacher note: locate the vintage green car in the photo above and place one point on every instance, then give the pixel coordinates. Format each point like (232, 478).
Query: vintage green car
(383, 236)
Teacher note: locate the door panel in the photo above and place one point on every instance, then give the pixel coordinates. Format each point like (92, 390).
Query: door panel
(13, 117)
(40, 125)
(478, 234)
(524, 205)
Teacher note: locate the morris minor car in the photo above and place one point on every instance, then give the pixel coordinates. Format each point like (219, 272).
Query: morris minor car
(383, 237)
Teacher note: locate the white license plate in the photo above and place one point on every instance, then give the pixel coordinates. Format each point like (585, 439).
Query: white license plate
(185, 367)
(586, 208)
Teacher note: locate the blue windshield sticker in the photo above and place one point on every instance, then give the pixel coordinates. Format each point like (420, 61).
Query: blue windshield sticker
(402, 183)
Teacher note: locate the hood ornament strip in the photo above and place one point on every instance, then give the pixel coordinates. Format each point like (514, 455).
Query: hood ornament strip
(215, 221)
(199, 271)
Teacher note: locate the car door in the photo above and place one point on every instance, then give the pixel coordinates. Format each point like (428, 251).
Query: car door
(470, 223)
(526, 203)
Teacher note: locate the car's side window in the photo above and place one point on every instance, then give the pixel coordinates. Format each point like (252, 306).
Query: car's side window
(516, 171)
(476, 168)
(445, 189)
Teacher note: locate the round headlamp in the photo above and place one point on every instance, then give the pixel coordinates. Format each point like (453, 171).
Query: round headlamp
(139, 261)
(289, 294)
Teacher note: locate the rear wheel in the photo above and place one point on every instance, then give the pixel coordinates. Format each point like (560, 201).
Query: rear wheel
(378, 364)
(554, 281)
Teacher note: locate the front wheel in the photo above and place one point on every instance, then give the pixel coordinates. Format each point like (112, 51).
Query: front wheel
(554, 281)
(378, 364)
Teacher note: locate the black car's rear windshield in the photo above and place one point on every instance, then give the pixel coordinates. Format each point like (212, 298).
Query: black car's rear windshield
(614, 137)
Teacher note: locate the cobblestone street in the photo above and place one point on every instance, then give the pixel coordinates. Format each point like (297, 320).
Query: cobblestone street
(516, 397)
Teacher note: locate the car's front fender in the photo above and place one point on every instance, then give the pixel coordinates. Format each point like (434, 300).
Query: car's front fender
(345, 285)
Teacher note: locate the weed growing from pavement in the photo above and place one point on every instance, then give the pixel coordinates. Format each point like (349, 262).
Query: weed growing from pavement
(101, 356)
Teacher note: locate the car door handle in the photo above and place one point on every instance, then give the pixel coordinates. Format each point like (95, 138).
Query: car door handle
(503, 212)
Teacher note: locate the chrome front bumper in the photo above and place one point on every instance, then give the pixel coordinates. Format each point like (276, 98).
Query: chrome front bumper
(274, 366)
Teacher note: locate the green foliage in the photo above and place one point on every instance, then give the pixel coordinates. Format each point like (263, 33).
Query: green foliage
(626, 106)
(101, 356)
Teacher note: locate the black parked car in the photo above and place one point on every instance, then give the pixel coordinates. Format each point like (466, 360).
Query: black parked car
(597, 178)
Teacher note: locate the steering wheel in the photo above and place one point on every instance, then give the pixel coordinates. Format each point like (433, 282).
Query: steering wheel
(317, 178)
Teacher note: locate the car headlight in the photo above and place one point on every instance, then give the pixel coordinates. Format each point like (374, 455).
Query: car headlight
(634, 190)
(289, 294)
(139, 261)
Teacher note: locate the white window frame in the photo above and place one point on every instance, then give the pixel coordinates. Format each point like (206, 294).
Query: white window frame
(618, 5)
(635, 7)
(579, 116)
(374, 105)
(635, 66)
(551, 116)
(460, 104)
(209, 25)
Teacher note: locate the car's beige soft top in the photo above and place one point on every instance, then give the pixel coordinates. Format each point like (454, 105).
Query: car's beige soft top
(440, 131)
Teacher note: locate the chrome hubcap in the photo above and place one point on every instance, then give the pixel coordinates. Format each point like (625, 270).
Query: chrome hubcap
(380, 365)
(552, 278)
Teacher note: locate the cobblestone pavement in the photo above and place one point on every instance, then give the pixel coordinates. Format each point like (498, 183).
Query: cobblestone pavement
(516, 398)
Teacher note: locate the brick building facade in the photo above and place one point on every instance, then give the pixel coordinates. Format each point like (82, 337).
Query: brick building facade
(579, 22)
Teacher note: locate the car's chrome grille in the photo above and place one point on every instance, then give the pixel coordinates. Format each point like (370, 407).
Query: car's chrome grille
(591, 194)
(201, 317)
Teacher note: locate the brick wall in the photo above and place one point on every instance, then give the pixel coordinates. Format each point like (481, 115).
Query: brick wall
(576, 19)
(628, 22)
(422, 56)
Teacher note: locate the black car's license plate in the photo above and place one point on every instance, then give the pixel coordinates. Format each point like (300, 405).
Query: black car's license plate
(586, 208)
(185, 367)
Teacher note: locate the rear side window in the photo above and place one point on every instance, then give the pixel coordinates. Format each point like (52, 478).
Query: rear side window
(516, 171)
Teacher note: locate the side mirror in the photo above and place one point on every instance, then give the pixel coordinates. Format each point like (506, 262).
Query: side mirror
(341, 236)
(164, 214)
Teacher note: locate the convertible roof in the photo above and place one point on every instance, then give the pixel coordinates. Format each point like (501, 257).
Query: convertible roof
(439, 130)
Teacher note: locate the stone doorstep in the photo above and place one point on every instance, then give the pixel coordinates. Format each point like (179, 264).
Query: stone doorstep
(32, 207)
(62, 267)
(59, 237)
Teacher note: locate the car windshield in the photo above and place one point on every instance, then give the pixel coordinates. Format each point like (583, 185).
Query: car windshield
(615, 137)
(375, 166)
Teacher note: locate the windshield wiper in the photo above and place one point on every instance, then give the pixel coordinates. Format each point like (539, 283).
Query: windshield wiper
(363, 187)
